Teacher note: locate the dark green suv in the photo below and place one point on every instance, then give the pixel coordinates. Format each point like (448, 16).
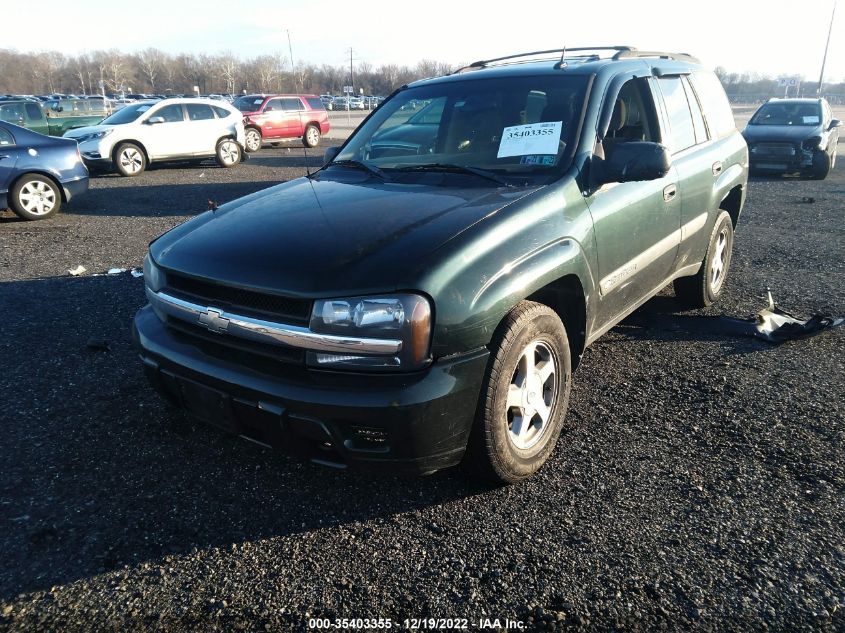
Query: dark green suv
(423, 299)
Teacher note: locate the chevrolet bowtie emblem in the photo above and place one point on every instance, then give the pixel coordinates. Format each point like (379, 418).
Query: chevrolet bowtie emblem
(214, 320)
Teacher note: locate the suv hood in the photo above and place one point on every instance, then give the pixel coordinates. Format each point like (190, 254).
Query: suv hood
(324, 237)
(787, 133)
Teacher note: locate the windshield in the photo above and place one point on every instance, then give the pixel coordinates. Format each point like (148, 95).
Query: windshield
(248, 104)
(127, 114)
(505, 126)
(787, 114)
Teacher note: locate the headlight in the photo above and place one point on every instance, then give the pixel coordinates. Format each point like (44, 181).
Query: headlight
(404, 317)
(93, 137)
(812, 143)
(153, 276)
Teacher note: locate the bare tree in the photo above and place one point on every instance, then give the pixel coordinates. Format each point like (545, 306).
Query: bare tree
(150, 61)
(229, 66)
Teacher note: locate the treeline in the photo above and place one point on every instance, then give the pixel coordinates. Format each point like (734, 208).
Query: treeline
(156, 72)
(751, 87)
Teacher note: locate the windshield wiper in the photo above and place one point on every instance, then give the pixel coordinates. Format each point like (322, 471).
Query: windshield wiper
(359, 164)
(452, 167)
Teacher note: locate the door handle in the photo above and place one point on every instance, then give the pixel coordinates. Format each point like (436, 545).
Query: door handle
(669, 192)
(2, 156)
(717, 168)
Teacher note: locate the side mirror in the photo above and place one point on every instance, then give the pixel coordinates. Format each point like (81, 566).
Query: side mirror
(59, 109)
(834, 123)
(635, 161)
(153, 120)
(330, 155)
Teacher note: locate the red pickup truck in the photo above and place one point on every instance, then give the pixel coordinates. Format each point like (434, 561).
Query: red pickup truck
(277, 117)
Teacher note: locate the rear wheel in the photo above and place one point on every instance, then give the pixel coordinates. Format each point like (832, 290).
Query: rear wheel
(130, 159)
(228, 152)
(35, 197)
(706, 286)
(252, 140)
(311, 138)
(524, 396)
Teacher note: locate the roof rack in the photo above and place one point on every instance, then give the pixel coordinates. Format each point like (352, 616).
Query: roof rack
(622, 52)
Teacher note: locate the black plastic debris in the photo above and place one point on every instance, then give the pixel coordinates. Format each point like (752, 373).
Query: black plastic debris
(776, 326)
(98, 345)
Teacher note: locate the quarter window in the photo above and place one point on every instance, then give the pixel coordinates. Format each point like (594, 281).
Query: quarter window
(222, 113)
(6, 138)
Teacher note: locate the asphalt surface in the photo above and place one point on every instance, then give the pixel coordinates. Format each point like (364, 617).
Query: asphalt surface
(698, 483)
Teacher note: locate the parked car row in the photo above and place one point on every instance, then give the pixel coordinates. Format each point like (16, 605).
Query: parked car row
(368, 102)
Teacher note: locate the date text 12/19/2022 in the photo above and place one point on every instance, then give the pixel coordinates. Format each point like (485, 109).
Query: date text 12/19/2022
(416, 624)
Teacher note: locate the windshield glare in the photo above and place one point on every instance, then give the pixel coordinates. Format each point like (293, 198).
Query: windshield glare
(510, 126)
(127, 114)
(248, 104)
(787, 114)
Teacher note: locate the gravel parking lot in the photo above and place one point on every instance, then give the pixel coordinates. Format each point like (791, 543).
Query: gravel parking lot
(699, 482)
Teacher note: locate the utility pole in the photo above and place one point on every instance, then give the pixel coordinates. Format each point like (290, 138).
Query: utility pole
(351, 76)
(824, 59)
(290, 49)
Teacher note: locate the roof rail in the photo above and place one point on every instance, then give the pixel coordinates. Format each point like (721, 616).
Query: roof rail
(634, 53)
(621, 52)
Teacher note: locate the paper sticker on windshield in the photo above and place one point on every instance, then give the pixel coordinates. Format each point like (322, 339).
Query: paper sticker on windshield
(538, 159)
(811, 119)
(534, 138)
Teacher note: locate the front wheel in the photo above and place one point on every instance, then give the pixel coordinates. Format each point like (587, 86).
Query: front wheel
(228, 152)
(311, 138)
(252, 140)
(130, 159)
(822, 164)
(524, 396)
(35, 197)
(706, 286)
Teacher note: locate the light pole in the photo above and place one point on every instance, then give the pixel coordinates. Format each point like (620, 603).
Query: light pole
(824, 59)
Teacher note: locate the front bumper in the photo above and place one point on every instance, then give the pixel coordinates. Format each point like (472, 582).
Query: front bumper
(412, 423)
(780, 157)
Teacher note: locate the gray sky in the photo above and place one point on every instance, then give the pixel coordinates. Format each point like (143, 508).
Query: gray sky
(772, 37)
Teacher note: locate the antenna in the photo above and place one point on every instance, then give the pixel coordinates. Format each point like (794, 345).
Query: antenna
(307, 170)
(562, 62)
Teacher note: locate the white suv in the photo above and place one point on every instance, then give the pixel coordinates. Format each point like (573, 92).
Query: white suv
(172, 129)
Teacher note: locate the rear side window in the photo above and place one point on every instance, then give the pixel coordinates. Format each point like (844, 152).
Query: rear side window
(34, 111)
(316, 103)
(199, 112)
(714, 104)
(6, 138)
(681, 130)
(221, 112)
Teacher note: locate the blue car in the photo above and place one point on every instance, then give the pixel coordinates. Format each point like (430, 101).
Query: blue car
(37, 172)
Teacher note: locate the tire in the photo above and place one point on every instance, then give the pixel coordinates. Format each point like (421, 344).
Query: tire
(311, 138)
(35, 197)
(252, 140)
(822, 164)
(129, 159)
(228, 152)
(706, 286)
(529, 372)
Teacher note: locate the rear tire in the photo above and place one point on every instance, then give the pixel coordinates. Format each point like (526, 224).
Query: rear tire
(129, 160)
(524, 396)
(35, 197)
(311, 138)
(228, 152)
(706, 286)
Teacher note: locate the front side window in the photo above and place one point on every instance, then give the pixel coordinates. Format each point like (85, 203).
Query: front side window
(11, 112)
(505, 126)
(171, 113)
